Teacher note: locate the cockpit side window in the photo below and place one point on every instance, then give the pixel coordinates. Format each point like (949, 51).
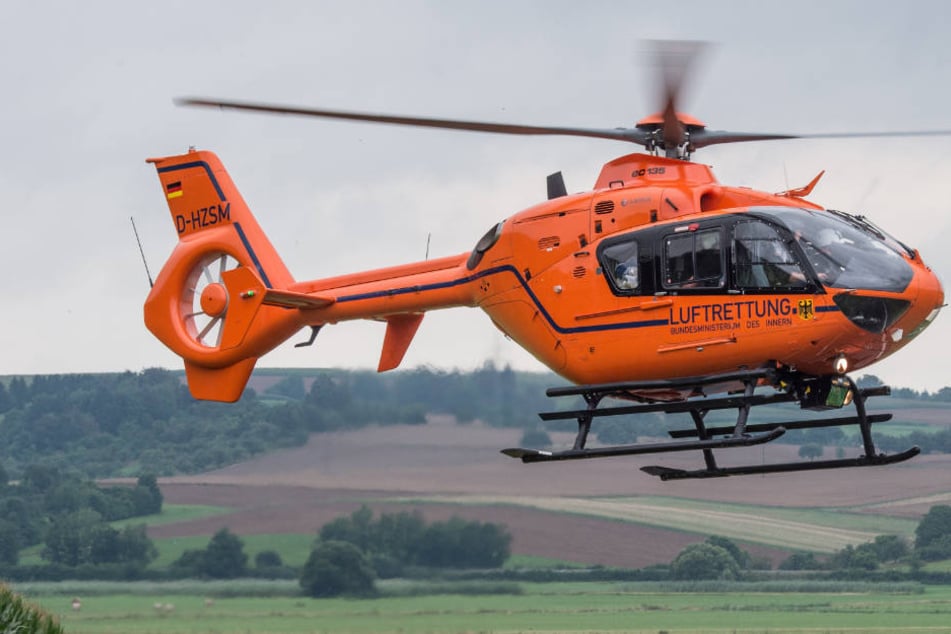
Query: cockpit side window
(620, 265)
(762, 259)
(693, 260)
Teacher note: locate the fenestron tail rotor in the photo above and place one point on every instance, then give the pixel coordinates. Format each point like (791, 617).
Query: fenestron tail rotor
(204, 299)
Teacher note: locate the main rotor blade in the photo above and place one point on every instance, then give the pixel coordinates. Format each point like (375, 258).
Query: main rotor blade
(631, 135)
(704, 138)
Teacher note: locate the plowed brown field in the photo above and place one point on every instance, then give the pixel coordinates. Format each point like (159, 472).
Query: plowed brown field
(297, 490)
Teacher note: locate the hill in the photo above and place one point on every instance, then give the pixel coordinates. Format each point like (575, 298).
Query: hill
(597, 512)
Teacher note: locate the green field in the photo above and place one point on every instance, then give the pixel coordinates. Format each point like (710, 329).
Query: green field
(173, 513)
(293, 548)
(556, 607)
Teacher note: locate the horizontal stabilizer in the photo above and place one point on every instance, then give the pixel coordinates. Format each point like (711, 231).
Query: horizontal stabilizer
(290, 299)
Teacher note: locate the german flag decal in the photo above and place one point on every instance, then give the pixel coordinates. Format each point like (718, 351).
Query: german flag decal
(173, 190)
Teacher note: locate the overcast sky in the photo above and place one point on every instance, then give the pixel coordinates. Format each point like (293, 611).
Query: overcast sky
(88, 91)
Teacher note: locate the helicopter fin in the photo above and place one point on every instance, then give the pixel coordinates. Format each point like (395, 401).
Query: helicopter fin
(222, 299)
(400, 330)
(802, 192)
(203, 200)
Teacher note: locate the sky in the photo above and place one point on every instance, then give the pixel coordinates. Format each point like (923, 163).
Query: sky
(88, 96)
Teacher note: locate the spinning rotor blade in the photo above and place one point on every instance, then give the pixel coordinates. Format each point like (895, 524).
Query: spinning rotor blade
(674, 60)
(674, 133)
(617, 134)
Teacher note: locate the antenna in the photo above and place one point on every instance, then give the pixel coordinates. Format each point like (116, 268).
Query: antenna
(428, 237)
(141, 252)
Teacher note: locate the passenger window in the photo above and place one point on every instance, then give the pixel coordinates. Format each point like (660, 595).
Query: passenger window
(763, 260)
(693, 260)
(620, 265)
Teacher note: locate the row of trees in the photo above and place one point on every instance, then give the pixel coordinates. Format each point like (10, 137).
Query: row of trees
(351, 551)
(70, 516)
(107, 424)
(110, 424)
(720, 558)
(224, 558)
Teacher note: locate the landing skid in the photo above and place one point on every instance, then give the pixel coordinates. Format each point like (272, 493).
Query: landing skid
(690, 395)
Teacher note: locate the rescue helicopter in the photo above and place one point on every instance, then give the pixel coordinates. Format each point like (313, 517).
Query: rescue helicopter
(660, 289)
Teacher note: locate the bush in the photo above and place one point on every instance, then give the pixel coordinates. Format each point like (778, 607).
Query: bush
(268, 559)
(740, 556)
(336, 568)
(800, 561)
(704, 561)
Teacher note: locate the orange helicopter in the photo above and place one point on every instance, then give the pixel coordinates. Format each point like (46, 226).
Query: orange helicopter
(660, 287)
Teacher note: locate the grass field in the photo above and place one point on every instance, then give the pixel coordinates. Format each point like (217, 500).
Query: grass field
(173, 513)
(819, 530)
(557, 607)
(293, 548)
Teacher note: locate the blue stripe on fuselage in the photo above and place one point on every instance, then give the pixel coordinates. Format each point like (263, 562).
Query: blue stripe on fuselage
(521, 280)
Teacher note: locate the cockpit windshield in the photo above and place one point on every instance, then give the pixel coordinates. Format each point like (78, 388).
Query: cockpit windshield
(846, 251)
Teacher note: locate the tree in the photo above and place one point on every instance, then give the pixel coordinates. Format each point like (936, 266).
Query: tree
(890, 547)
(935, 525)
(190, 563)
(135, 547)
(354, 529)
(704, 561)
(398, 535)
(6, 401)
(291, 386)
(810, 451)
(9, 543)
(740, 556)
(862, 557)
(336, 568)
(40, 478)
(868, 380)
(457, 543)
(146, 496)
(800, 561)
(103, 545)
(268, 559)
(70, 537)
(224, 558)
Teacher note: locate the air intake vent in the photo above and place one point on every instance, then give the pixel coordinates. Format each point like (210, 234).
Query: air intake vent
(604, 207)
(579, 271)
(548, 243)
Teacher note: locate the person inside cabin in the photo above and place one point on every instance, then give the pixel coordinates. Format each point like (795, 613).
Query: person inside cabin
(625, 274)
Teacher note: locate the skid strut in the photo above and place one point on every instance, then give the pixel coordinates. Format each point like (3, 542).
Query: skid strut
(738, 389)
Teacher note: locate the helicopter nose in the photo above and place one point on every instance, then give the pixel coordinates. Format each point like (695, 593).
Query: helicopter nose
(930, 298)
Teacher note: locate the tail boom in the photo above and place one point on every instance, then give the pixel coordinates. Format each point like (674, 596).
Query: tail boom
(224, 298)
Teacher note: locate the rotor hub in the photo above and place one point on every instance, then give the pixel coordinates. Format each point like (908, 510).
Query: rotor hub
(214, 299)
